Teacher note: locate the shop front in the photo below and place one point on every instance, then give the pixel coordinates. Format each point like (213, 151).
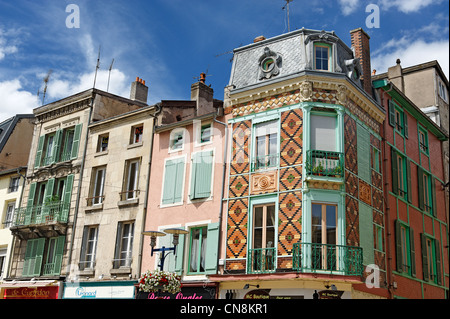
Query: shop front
(100, 290)
(204, 291)
(30, 289)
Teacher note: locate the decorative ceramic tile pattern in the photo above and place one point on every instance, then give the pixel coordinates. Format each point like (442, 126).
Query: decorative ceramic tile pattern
(239, 186)
(240, 162)
(377, 199)
(289, 221)
(237, 228)
(351, 184)
(377, 180)
(324, 96)
(291, 138)
(350, 149)
(352, 221)
(290, 178)
(365, 192)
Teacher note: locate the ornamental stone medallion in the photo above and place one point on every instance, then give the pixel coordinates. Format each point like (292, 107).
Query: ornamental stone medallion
(269, 64)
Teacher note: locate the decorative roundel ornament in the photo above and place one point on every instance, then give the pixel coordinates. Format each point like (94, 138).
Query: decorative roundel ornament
(269, 64)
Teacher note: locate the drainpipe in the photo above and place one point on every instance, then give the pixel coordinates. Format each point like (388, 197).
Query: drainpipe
(141, 242)
(223, 188)
(386, 205)
(77, 203)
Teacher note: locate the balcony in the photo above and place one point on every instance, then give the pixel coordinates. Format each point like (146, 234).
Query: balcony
(328, 259)
(264, 162)
(42, 214)
(325, 163)
(261, 260)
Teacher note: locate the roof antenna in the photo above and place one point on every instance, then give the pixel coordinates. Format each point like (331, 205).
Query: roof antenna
(97, 66)
(287, 11)
(109, 75)
(46, 79)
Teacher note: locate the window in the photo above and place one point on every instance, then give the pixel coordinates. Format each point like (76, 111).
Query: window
(201, 175)
(322, 56)
(323, 132)
(102, 144)
(176, 140)
(405, 252)
(431, 261)
(9, 214)
(423, 140)
(48, 155)
(398, 119)
(427, 191)
(89, 247)
(401, 175)
(136, 134)
(378, 237)
(266, 141)
(173, 181)
(442, 91)
(68, 139)
(132, 178)
(197, 256)
(2, 259)
(98, 184)
(14, 184)
(124, 245)
(205, 135)
(43, 257)
(375, 159)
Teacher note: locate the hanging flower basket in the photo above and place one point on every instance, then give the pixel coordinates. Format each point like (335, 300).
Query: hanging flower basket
(157, 280)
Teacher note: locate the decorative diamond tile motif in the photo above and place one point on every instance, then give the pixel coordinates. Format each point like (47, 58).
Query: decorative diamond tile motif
(291, 138)
(237, 228)
(290, 178)
(352, 221)
(239, 186)
(289, 219)
(240, 162)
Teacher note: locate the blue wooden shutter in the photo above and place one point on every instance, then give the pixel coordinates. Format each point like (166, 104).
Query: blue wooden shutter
(76, 141)
(202, 164)
(178, 195)
(179, 257)
(173, 181)
(37, 161)
(211, 248)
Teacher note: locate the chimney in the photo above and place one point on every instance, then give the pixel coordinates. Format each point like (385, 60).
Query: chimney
(361, 45)
(203, 95)
(395, 75)
(139, 91)
(259, 39)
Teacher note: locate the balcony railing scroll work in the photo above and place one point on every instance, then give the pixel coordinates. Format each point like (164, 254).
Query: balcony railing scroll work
(310, 258)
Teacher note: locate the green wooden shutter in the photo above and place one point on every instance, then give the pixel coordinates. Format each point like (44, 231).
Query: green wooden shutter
(49, 190)
(82, 264)
(425, 260)
(408, 180)
(391, 114)
(202, 164)
(211, 248)
(394, 166)
(398, 246)
(179, 257)
(76, 141)
(420, 185)
(67, 197)
(36, 257)
(38, 159)
(195, 167)
(178, 194)
(413, 252)
(433, 196)
(173, 181)
(57, 146)
(405, 124)
(116, 262)
(28, 261)
(363, 153)
(366, 228)
(438, 262)
(59, 254)
(30, 205)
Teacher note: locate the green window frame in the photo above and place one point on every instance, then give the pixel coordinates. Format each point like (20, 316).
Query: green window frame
(201, 175)
(431, 260)
(427, 191)
(176, 141)
(265, 144)
(375, 159)
(322, 56)
(398, 119)
(173, 181)
(401, 175)
(205, 135)
(405, 249)
(423, 140)
(197, 250)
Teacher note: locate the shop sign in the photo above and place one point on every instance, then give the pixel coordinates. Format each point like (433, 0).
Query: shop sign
(95, 292)
(185, 293)
(330, 294)
(31, 293)
(264, 294)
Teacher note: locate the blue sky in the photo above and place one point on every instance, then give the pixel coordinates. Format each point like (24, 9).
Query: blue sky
(169, 42)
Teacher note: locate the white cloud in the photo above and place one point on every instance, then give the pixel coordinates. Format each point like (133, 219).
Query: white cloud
(348, 6)
(14, 100)
(5, 46)
(411, 53)
(407, 6)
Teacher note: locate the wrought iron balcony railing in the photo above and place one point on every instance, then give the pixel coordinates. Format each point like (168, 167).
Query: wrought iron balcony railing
(42, 214)
(261, 260)
(266, 161)
(335, 259)
(325, 163)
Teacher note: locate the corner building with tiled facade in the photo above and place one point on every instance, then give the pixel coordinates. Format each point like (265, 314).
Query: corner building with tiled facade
(305, 199)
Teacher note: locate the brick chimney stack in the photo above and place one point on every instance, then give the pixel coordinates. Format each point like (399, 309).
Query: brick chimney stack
(203, 95)
(361, 45)
(139, 91)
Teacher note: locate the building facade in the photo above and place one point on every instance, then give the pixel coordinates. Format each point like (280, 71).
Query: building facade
(304, 197)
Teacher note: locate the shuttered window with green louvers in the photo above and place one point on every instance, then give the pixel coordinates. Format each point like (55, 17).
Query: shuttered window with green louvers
(201, 175)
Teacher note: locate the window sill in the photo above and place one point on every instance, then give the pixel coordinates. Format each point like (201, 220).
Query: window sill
(135, 145)
(120, 271)
(128, 202)
(94, 208)
(101, 153)
(87, 272)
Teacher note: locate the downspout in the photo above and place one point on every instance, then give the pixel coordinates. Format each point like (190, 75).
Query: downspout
(386, 205)
(223, 189)
(77, 203)
(141, 242)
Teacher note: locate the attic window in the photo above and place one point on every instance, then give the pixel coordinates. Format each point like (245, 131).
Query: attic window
(322, 56)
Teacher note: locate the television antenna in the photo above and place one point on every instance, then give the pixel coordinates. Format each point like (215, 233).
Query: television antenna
(97, 66)
(286, 6)
(46, 79)
(109, 74)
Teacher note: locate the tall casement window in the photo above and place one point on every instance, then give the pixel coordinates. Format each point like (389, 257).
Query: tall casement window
(427, 191)
(173, 181)
(2, 259)
(401, 175)
(130, 189)
(97, 186)
(423, 140)
(398, 119)
(197, 246)
(405, 251)
(14, 184)
(263, 245)
(67, 144)
(323, 235)
(43, 257)
(375, 159)
(266, 141)
(201, 175)
(322, 56)
(88, 247)
(431, 259)
(7, 222)
(136, 134)
(124, 245)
